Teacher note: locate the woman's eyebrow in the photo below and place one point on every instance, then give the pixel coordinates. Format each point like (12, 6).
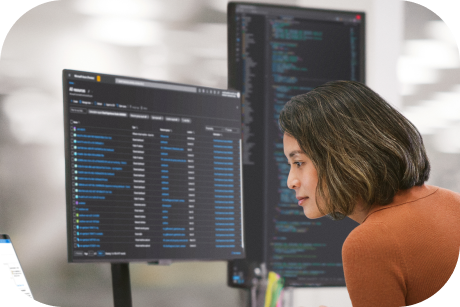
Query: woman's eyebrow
(295, 152)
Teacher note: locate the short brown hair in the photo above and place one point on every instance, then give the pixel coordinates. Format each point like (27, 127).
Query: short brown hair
(362, 148)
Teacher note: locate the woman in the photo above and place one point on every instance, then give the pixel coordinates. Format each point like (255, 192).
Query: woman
(352, 154)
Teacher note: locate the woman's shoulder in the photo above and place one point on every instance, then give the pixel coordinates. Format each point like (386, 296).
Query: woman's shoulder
(411, 218)
(446, 207)
(369, 238)
(448, 194)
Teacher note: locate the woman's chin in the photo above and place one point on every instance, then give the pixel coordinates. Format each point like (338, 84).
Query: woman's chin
(312, 214)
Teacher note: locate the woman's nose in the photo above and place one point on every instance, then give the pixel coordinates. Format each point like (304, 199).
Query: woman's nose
(292, 181)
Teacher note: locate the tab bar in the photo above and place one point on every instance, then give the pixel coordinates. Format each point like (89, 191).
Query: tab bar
(78, 110)
(157, 117)
(172, 119)
(140, 116)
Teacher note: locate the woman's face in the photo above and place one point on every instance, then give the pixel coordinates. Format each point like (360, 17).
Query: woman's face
(303, 177)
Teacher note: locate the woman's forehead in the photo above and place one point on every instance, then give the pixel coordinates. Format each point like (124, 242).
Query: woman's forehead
(291, 146)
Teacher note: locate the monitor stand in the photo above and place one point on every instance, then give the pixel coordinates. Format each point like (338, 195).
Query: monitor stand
(121, 285)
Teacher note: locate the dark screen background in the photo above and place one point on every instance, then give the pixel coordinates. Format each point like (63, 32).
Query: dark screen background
(277, 53)
(151, 173)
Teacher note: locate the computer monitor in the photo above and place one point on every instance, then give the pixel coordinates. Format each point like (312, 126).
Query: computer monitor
(153, 170)
(275, 53)
(10, 269)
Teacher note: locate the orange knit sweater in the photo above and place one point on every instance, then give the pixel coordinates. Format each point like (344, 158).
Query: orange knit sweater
(403, 252)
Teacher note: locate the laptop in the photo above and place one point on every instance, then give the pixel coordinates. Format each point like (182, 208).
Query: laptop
(12, 266)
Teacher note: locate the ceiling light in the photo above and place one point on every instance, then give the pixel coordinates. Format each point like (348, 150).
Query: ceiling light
(125, 31)
(121, 8)
(411, 70)
(425, 122)
(437, 29)
(432, 53)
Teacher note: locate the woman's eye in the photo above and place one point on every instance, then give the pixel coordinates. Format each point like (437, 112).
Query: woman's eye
(299, 164)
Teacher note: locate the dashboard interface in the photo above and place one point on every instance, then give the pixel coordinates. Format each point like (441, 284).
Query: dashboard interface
(153, 170)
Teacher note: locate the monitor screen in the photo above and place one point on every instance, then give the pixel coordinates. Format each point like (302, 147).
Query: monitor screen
(153, 170)
(11, 270)
(275, 53)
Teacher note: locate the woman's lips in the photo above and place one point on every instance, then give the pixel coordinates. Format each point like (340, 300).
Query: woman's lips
(301, 200)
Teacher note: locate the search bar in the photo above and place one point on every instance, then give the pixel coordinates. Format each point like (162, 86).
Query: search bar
(172, 87)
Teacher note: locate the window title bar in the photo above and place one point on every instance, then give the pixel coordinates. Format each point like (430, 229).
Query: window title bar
(120, 80)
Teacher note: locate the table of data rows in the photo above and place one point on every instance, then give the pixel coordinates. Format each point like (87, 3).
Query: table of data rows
(151, 188)
(150, 185)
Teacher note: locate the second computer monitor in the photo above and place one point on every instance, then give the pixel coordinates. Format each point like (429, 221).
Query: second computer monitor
(275, 53)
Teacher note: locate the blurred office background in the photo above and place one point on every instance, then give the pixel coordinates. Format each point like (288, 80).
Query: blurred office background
(178, 41)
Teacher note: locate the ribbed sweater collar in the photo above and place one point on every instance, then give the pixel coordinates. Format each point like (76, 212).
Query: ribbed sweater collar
(406, 196)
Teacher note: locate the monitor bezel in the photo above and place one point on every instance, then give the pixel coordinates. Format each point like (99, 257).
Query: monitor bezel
(68, 184)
